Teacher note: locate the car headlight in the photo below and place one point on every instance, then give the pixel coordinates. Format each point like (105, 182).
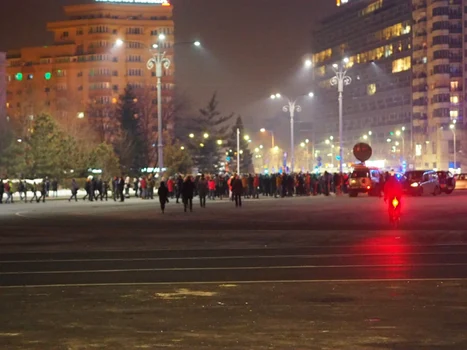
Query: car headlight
(353, 181)
(415, 184)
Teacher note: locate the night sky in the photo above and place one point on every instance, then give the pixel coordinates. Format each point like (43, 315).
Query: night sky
(251, 47)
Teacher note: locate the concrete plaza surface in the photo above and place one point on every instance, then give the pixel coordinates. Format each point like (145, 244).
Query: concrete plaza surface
(293, 273)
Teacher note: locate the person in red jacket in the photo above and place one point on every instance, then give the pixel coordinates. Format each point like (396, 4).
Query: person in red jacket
(144, 187)
(170, 187)
(212, 188)
(256, 187)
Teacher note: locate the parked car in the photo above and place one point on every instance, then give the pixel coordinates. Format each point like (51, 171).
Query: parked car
(461, 181)
(365, 180)
(447, 182)
(420, 182)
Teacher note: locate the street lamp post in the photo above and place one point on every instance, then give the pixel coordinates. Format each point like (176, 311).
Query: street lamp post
(452, 127)
(340, 79)
(291, 107)
(158, 61)
(238, 151)
(402, 136)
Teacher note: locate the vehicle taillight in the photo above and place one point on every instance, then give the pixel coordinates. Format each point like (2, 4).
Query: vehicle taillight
(395, 202)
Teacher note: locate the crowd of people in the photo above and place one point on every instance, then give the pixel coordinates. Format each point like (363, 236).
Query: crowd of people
(185, 188)
(40, 190)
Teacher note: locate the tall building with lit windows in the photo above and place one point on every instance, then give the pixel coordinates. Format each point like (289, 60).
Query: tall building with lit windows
(85, 65)
(3, 86)
(438, 81)
(376, 37)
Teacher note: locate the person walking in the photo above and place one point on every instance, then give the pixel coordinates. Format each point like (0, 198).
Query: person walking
(74, 190)
(163, 193)
(237, 190)
(47, 186)
(121, 188)
(187, 193)
(143, 188)
(178, 188)
(212, 189)
(7, 189)
(202, 191)
(151, 185)
(22, 190)
(34, 192)
(87, 188)
(55, 188)
(43, 187)
(170, 187)
(2, 190)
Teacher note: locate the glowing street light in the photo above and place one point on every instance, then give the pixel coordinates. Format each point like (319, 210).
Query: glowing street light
(292, 106)
(182, 148)
(246, 137)
(205, 135)
(308, 63)
(191, 136)
(340, 80)
(197, 43)
(302, 144)
(219, 142)
(119, 42)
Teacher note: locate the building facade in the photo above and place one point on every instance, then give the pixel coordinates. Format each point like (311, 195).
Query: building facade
(375, 36)
(3, 87)
(438, 82)
(85, 65)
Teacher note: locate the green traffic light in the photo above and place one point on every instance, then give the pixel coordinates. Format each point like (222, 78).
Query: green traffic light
(19, 76)
(47, 76)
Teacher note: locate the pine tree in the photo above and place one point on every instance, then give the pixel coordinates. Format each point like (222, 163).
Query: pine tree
(246, 162)
(207, 152)
(131, 147)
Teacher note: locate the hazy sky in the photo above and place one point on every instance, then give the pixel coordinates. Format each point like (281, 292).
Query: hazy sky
(251, 47)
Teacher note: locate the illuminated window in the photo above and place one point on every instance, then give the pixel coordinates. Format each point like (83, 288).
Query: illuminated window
(321, 70)
(400, 65)
(418, 150)
(453, 114)
(454, 85)
(387, 50)
(371, 89)
(454, 99)
(371, 8)
(322, 56)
